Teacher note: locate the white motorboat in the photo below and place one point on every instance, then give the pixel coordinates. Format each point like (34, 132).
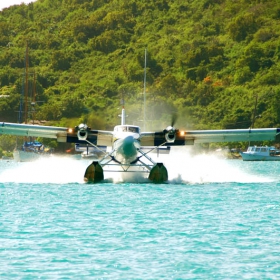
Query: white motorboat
(261, 153)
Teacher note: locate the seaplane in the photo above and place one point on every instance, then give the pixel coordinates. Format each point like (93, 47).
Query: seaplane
(129, 149)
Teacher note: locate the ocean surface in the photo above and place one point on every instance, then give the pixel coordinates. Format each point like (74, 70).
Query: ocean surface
(215, 219)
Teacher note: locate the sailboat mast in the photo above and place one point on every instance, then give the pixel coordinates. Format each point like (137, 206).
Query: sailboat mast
(26, 85)
(145, 90)
(34, 87)
(33, 102)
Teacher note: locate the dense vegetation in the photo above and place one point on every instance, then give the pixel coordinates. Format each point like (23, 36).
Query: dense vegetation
(213, 62)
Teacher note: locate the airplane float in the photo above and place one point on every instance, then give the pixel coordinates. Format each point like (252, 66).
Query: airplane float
(130, 147)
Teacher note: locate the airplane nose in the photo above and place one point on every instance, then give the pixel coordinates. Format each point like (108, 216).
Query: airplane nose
(128, 141)
(128, 146)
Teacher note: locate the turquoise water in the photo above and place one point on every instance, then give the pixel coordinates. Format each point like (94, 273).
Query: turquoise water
(215, 219)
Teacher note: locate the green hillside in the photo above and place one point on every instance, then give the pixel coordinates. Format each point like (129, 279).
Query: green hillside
(210, 61)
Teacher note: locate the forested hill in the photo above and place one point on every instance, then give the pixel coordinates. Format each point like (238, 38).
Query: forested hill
(213, 62)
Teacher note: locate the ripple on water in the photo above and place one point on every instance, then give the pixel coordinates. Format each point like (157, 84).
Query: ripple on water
(216, 228)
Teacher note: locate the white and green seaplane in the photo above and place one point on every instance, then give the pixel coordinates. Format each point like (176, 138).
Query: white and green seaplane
(129, 148)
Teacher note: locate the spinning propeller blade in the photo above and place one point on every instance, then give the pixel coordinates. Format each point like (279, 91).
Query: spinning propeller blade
(174, 119)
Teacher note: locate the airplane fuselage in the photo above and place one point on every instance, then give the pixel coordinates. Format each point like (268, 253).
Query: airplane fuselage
(126, 142)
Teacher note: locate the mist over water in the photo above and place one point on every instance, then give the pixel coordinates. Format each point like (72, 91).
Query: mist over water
(182, 166)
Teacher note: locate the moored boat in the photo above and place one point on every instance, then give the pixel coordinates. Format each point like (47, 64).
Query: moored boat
(261, 153)
(31, 151)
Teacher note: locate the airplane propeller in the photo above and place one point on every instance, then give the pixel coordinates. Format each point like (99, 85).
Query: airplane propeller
(82, 131)
(174, 119)
(170, 131)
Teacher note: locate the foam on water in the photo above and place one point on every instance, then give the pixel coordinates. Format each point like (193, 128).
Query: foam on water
(55, 169)
(181, 165)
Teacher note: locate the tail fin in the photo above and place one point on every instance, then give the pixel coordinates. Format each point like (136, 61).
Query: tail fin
(123, 116)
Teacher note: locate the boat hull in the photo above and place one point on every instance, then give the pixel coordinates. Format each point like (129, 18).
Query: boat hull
(254, 157)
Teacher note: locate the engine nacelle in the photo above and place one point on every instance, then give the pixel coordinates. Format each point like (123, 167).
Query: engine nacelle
(82, 131)
(170, 134)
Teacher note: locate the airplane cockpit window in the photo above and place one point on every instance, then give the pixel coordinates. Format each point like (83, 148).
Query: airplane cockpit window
(132, 129)
(120, 128)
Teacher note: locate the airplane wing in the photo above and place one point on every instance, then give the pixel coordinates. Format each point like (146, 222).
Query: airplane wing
(208, 136)
(61, 134)
(166, 137)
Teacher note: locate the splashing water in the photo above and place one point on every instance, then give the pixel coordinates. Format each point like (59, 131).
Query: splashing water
(55, 169)
(181, 165)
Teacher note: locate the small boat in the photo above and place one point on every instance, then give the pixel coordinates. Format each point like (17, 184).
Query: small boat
(261, 153)
(31, 151)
